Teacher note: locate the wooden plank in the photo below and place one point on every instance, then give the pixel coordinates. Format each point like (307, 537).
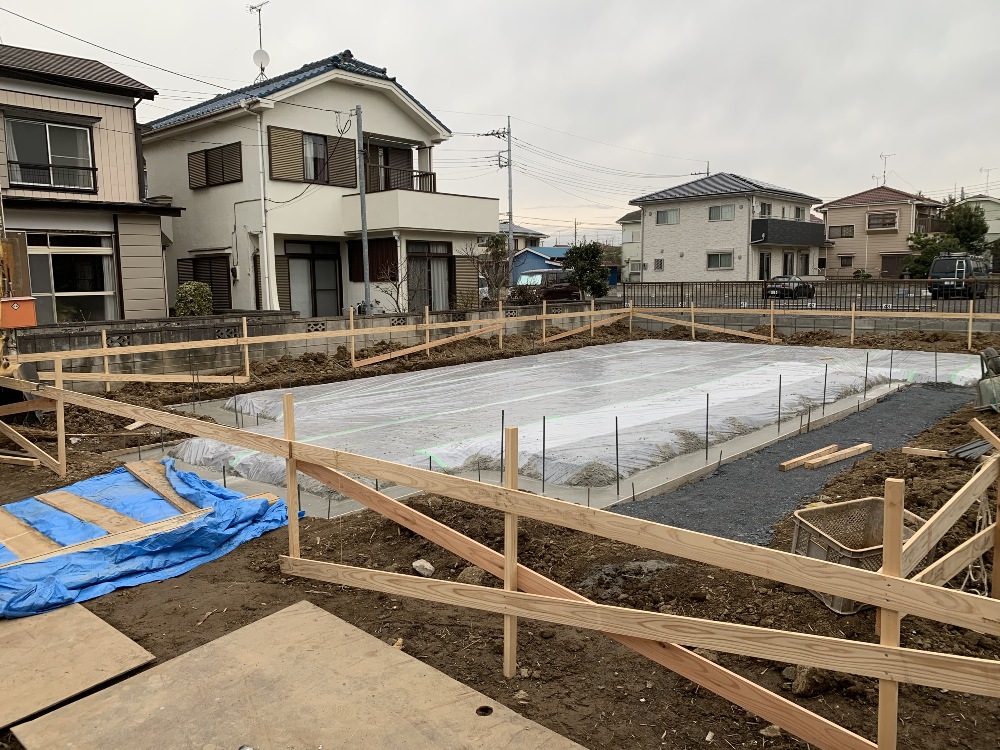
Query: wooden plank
(950, 565)
(985, 432)
(119, 377)
(20, 461)
(291, 476)
(23, 407)
(741, 691)
(52, 657)
(144, 531)
(423, 347)
(30, 447)
(167, 420)
(269, 496)
(840, 455)
(153, 474)
(943, 605)
(961, 673)
(922, 542)
(927, 452)
(60, 424)
(300, 678)
(587, 327)
(89, 511)
(796, 462)
(704, 327)
(892, 543)
(21, 538)
(510, 555)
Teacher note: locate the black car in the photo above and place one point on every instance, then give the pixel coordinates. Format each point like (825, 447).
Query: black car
(788, 286)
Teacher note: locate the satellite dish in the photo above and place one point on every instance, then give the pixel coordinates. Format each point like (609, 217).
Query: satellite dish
(261, 59)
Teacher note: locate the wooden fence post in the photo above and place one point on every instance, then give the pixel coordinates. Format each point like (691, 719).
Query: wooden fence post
(592, 311)
(246, 351)
(630, 320)
(972, 302)
(772, 321)
(892, 556)
(691, 302)
(544, 313)
(510, 554)
(350, 324)
(995, 581)
(853, 310)
(60, 420)
(500, 312)
(291, 477)
(104, 345)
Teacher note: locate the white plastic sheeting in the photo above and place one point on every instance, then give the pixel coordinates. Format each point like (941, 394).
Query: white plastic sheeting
(656, 390)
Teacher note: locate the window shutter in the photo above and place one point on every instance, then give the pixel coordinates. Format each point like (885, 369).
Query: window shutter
(382, 259)
(213, 166)
(400, 159)
(282, 282)
(342, 162)
(285, 153)
(196, 170)
(355, 269)
(232, 162)
(185, 270)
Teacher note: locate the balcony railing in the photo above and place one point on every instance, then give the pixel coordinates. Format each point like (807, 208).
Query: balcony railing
(390, 178)
(930, 224)
(52, 176)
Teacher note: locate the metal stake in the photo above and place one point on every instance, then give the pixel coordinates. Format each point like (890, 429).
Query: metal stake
(865, 395)
(543, 454)
(430, 466)
(891, 352)
(633, 492)
(224, 477)
(618, 473)
(779, 404)
(140, 449)
(706, 428)
(501, 445)
(163, 451)
(826, 371)
(935, 363)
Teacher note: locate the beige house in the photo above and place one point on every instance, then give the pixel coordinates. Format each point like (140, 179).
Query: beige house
(290, 144)
(631, 224)
(72, 188)
(868, 231)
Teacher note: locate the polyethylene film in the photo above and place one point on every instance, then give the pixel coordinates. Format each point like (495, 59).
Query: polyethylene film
(451, 417)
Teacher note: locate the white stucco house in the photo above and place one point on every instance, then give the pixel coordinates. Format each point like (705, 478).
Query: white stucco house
(631, 224)
(294, 138)
(991, 209)
(727, 228)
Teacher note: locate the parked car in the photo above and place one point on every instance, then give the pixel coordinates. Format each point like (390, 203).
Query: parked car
(958, 276)
(551, 285)
(788, 286)
(484, 291)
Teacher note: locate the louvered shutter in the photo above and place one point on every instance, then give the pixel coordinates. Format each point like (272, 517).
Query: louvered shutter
(285, 153)
(400, 159)
(185, 270)
(383, 261)
(342, 163)
(213, 166)
(196, 170)
(282, 282)
(232, 162)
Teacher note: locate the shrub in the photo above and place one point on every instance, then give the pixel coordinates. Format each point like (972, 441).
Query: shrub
(193, 298)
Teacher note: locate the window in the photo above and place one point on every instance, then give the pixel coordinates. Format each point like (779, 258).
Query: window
(765, 209)
(821, 264)
(383, 263)
(657, 264)
(725, 212)
(314, 157)
(803, 264)
(882, 220)
(782, 212)
(72, 277)
(669, 216)
(215, 166)
(800, 213)
(636, 235)
(720, 261)
(51, 155)
(531, 242)
(846, 261)
(844, 231)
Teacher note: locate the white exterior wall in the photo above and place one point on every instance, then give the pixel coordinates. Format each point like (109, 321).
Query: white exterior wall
(684, 247)
(631, 246)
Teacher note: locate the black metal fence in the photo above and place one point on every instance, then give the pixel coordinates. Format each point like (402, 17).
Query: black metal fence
(908, 295)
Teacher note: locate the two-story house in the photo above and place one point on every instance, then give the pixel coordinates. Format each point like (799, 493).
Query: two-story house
(269, 175)
(631, 224)
(991, 212)
(725, 227)
(868, 231)
(72, 188)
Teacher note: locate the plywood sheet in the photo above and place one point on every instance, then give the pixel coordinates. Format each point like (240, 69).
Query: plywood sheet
(89, 511)
(300, 678)
(50, 658)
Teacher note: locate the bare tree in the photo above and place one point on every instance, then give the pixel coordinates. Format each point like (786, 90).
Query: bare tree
(491, 261)
(392, 282)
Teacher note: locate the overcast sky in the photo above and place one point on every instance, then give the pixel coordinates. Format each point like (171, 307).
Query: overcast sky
(805, 95)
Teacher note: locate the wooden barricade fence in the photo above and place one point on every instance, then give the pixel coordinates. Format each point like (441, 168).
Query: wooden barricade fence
(662, 637)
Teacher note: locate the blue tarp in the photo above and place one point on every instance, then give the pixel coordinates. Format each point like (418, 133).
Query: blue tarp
(34, 587)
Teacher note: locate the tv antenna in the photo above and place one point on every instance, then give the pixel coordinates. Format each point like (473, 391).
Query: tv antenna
(987, 170)
(260, 58)
(885, 164)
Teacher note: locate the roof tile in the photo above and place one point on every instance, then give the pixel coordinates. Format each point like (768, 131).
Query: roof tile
(881, 194)
(78, 72)
(722, 183)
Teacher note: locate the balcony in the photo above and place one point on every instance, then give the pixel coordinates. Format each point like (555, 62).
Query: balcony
(394, 208)
(787, 232)
(52, 176)
(379, 178)
(930, 225)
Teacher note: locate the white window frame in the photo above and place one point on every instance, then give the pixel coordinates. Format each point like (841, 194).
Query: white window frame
(50, 250)
(720, 253)
(48, 147)
(722, 212)
(800, 213)
(766, 209)
(870, 214)
(669, 214)
(848, 258)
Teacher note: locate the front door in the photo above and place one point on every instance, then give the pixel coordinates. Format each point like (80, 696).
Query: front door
(765, 267)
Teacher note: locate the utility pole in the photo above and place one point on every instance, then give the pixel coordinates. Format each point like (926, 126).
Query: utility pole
(885, 164)
(987, 170)
(362, 170)
(510, 198)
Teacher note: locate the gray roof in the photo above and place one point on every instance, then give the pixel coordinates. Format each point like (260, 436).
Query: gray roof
(520, 230)
(343, 61)
(631, 217)
(723, 183)
(63, 70)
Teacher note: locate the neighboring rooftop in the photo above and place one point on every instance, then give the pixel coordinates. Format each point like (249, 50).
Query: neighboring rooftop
(73, 72)
(343, 61)
(631, 217)
(524, 231)
(723, 183)
(881, 194)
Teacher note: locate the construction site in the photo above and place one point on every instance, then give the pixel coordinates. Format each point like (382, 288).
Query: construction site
(583, 527)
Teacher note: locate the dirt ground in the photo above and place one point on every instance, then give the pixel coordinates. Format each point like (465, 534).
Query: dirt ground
(577, 682)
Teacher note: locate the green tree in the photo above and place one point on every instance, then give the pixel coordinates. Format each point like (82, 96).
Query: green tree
(584, 262)
(193, 298)
(967, 224)
(926, 247)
